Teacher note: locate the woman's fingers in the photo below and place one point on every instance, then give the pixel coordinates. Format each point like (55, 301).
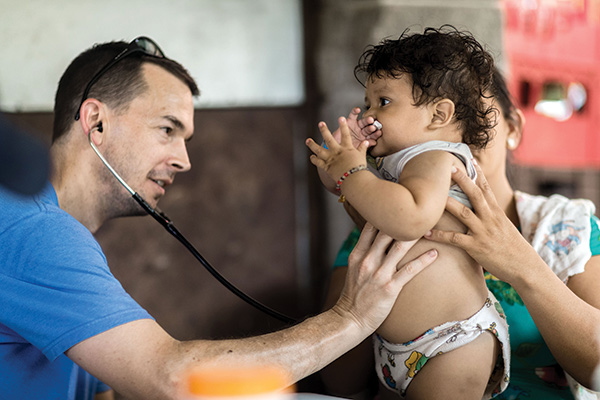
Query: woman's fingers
(458, 239)
(472, 190)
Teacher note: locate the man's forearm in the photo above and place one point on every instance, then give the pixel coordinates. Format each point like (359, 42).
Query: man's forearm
(299, 350)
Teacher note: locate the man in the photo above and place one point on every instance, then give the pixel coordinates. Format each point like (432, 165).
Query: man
(61, 307)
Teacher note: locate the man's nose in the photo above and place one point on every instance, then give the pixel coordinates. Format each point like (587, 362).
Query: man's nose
(180, 159)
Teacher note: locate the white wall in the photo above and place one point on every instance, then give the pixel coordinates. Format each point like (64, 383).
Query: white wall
(241, 52)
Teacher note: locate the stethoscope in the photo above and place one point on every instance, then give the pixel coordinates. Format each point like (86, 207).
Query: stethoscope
(168, 225)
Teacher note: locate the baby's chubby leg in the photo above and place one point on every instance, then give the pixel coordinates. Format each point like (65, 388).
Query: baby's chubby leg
(462, 373)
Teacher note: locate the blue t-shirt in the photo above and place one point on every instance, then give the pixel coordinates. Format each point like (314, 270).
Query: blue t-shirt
(56, 290)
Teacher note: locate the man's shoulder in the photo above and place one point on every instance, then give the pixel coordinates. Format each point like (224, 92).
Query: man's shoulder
(39, 211)
(36, 225)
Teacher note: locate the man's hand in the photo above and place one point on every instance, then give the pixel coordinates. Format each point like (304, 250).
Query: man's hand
(374, 279)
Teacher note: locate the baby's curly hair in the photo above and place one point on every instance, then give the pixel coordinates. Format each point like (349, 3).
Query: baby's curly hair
(442, 63)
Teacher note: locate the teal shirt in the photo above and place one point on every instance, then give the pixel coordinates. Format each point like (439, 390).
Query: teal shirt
(534, 372)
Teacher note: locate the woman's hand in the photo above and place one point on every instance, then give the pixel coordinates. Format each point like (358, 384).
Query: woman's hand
(492, 239)
(568, 323)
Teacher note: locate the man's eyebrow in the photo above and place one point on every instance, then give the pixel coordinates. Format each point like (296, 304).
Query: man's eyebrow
(178, 124)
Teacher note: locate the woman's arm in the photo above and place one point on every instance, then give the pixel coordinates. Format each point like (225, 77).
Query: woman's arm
(567, 316)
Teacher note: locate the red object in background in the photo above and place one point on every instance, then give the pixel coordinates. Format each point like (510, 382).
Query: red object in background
(553, 46)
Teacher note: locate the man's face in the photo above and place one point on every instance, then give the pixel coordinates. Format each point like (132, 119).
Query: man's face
(146, 144)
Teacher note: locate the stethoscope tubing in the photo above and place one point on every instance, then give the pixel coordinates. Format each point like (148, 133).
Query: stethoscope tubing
(168, 225)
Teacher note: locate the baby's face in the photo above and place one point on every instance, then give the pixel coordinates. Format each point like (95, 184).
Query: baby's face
(390, 101)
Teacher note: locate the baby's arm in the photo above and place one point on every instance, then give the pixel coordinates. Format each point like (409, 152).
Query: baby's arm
(404, 210)
(360, 130)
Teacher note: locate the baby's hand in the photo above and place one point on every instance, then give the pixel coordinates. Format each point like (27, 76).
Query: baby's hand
(337, 156)
(360, 130)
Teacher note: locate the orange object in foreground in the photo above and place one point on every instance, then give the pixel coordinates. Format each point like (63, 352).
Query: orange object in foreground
(236, 382)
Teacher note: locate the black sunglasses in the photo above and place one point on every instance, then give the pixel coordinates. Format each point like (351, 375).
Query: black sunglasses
(141, 44)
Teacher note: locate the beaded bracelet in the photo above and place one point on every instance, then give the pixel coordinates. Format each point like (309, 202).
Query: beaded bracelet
(338, 184)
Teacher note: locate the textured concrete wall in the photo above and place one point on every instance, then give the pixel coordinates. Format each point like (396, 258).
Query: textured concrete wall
(348, 26)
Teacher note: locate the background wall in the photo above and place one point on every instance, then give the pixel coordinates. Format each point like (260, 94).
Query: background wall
(241, 53)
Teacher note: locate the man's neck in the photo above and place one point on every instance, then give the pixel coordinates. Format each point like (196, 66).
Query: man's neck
(75, 188)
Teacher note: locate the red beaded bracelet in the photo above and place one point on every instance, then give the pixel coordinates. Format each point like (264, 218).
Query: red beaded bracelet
(338, 184)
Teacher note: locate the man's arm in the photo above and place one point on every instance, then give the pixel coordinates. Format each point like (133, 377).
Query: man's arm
(349, 375)
(139, 359)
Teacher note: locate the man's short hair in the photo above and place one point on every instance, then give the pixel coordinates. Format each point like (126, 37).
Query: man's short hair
(122, 83)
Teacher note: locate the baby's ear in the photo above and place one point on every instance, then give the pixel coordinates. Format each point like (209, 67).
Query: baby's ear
(442, 113)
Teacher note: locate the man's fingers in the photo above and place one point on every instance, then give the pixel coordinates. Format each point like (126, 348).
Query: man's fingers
(412, 268)
(367, 236)
(381, 242)
(398, 250)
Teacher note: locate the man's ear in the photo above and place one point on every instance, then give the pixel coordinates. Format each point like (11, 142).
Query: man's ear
(92, 113)
(442, 113)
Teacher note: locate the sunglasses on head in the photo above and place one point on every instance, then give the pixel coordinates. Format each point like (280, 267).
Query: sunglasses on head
(140, 44)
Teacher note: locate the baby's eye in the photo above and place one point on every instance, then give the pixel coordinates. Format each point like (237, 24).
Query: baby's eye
(383, 102)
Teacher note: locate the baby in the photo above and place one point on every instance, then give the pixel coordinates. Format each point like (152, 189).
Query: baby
(425, 102)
